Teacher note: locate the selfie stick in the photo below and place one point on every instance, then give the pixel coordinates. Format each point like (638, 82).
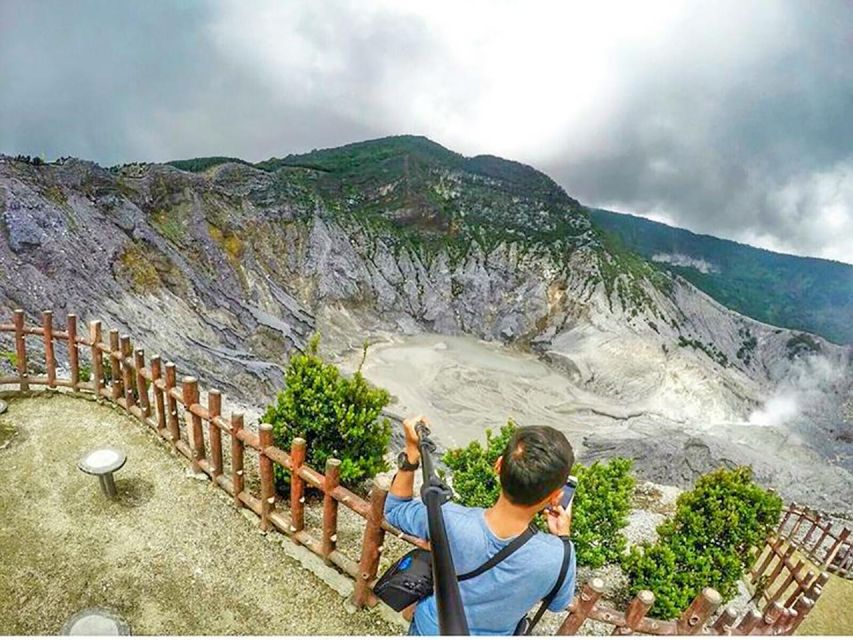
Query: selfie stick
(434, 493)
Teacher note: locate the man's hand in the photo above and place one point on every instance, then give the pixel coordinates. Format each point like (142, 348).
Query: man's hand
(559, 520)
(413, 452)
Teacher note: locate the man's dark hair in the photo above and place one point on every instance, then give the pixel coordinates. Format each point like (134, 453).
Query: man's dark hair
(536, 461)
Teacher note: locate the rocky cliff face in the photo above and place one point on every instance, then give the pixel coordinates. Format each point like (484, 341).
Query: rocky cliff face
(228, 269)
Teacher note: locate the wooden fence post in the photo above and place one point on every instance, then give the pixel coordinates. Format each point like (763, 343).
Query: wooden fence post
(141, 383)
(748, 622)
(788, 513)
(581, 607)
(237, 481)
(772, 612)
(171, 382)
(73, 352)
(802, 518)
(816, 588)
(799, 589)
(214, 410)
(371, 545)
(49, 355)
(193, 422)
(297, 486)
(115, 367)
(95, 338)
(159, 400)
(21, 349)
(126, 373)
(636, 611)
(805, 543)
(267, 476)
(703, 606)
(825, 530)
(833, 550)
(331, 479)
(723, 624)
(802, 607)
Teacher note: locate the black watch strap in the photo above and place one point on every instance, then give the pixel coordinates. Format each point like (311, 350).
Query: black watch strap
(403, 463)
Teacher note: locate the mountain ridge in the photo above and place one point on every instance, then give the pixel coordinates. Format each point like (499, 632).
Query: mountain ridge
(797, 292)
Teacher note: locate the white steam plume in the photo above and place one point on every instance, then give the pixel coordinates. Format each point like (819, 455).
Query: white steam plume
(806, 386)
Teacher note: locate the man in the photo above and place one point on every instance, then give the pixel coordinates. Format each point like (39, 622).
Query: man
(532, 470)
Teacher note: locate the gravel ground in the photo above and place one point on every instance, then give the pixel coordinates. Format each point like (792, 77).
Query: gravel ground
(171, 555)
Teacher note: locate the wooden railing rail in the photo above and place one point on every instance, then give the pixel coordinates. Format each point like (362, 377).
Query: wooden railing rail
(155, 396)
(816, 537)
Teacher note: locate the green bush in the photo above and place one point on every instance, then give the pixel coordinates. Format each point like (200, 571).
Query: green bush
(10, 357)
(338, 417)
(475, 483)
(710, 541)
(84, 372)
(599, 510)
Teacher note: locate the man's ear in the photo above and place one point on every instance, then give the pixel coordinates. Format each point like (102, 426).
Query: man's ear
(498, 464)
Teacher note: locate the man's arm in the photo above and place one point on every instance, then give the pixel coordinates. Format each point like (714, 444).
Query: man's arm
(567, 591)
(403, 485)
(560, 524)
(400, 510)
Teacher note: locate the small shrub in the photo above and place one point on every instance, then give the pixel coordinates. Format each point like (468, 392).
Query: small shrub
(338, 417)
(107, 370)
(599, 510)
(84, 372)
(710, 541)
(10, 357)
(474, 480)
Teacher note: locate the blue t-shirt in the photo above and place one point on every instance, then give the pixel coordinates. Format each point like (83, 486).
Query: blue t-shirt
(496, 600)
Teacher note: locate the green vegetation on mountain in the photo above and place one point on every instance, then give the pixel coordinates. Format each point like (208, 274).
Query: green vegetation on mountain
(426, 200)
(429, 199)
(203, 164)
(809, 294)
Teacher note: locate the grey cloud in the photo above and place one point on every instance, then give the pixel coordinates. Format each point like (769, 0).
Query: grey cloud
(722, 126)
(117, 82)
(738, 141)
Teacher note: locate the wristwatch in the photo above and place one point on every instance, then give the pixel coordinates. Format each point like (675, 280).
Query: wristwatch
(403, 463)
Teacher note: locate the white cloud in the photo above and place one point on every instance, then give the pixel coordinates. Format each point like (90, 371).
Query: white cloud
(681, 260)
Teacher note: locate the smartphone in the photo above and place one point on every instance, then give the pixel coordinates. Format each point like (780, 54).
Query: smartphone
(569, 492)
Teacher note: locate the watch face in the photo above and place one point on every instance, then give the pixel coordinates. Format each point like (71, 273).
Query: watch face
(403, 462)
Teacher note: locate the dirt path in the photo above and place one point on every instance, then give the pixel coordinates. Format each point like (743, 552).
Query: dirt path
(171, 555)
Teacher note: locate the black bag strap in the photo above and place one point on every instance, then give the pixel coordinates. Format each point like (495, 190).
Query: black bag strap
(501, 555)
(564, 569)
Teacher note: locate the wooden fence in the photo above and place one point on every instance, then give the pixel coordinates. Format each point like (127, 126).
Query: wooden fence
(774, 620)
(150, 392)
(823, 542)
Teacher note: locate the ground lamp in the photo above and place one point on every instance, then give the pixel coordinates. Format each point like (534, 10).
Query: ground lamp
(102, 462)
(95, 621)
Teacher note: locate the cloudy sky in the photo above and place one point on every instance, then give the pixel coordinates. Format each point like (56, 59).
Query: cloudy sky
(730, 118)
